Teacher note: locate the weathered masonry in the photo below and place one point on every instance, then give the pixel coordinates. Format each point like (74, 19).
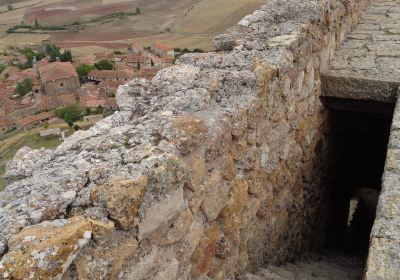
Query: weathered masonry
(261, 160)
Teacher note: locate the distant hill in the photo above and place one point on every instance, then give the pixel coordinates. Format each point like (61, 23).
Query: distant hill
(97, 23)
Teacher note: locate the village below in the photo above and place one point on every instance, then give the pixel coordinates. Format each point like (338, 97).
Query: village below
(48, 93)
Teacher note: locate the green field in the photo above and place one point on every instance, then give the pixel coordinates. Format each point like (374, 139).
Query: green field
(12, 142)
(33, 141)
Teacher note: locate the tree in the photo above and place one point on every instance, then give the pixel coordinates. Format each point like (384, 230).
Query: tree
(99, 110)
(66, 56)
(10, 7)
(83, 70)
(70, 113)
(138, 12)
(104, 65)
(36, 23)
(24, 87)
(53, 51)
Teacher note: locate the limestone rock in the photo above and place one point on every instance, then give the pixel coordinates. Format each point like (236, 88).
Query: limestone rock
(204, 256)
(122, 198)
(45, 251)
(105, 261)
(217, 196)
(160, 213)
(26, 161)
(172, 230)
(187, 132)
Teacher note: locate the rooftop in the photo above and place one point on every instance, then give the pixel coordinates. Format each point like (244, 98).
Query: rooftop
(160, 46)
(56, 71)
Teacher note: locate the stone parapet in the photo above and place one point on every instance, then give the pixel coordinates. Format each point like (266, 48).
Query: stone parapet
(209, 170)
(384, 258)
(367, 66)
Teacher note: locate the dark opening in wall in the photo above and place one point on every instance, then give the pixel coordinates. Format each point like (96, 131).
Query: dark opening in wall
(360, 133)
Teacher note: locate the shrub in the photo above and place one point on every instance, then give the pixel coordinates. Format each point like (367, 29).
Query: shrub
(24, 87)
(70, 114)
(83, 71)
(104, 65)
(66, 56)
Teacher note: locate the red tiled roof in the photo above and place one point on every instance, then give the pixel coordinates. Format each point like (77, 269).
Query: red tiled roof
(7, 105)
(111, 102)
(43, 62)
(122, 67)
(136, 59)
(137, 46)
(160, 46)
(46, 115)
(147, 73)
(52, 102)
(56, 71)
(110, 74)
(4, 122)
(16, 76)
(92, 102)
(112, 84)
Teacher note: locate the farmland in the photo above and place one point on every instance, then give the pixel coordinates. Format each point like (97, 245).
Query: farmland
(94, 24)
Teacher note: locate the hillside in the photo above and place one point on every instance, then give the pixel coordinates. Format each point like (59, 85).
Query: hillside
(106, 23)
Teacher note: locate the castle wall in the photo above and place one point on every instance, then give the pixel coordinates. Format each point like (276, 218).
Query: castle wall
(211, 169)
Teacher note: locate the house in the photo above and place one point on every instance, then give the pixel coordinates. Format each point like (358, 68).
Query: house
(110, 75)
(93, 118)
(6, 125)
(31, 121)
(136, 49)
(89, 59)
(137, 61)
(122, 66)
(59, 77)
(162, 50)
(147, 74)
(92, 102)
(55, 101)
(111, 104)
(50, 132)
(7, 106)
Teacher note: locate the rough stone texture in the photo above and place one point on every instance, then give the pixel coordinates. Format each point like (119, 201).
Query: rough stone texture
(231, 144)
(367, 65)
(45, 251)
(122, 199)
(384, 259)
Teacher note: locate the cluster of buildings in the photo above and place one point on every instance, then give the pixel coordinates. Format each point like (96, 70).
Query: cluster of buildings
(57, 84)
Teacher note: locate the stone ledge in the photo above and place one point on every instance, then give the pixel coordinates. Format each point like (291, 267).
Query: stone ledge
(366, 65)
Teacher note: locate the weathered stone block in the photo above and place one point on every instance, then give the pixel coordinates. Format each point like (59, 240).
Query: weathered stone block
(122, 198)
(45, 251)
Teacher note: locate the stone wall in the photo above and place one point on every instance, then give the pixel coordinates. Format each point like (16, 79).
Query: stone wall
(209, 170)
(384, 259)
(61, 86)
